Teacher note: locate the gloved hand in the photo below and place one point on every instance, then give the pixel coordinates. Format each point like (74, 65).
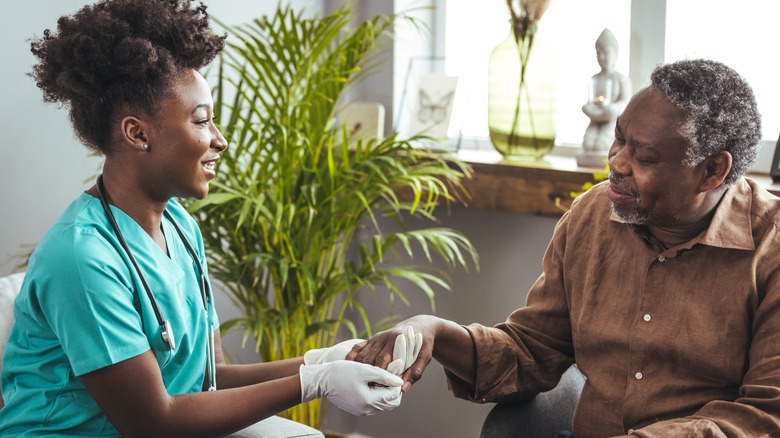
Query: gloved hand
(329, 354)
(352, 386)
(407, 347)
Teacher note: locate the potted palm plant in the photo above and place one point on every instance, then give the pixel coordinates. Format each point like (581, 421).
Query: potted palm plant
(294, 221)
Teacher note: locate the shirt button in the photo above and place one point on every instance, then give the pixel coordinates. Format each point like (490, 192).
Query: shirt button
(638, 376)
(661, 259)
(647, 317)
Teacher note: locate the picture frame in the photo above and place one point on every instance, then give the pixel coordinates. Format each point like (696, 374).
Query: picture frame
(431, 104)
(363, 121)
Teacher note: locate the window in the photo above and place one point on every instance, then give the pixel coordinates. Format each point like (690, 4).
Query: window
(740, 35)
(570, 26)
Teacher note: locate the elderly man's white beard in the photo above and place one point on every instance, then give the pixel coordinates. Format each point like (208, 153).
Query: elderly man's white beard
(638, 217)
(634, 217)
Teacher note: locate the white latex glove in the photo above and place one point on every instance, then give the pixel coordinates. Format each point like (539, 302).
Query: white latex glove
(329, 354)
(407, 347)
(355, 387)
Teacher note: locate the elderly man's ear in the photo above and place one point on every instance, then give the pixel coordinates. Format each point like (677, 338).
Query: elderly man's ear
(717, 167)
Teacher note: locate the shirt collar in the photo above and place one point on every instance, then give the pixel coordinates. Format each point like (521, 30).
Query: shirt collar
(731, 224)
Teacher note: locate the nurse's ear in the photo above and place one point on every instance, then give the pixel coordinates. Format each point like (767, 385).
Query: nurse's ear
(134, 133)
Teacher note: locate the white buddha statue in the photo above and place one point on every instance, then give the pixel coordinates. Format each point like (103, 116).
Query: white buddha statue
(609, 93)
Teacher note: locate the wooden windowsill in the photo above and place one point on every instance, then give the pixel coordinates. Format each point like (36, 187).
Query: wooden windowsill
(533, 187)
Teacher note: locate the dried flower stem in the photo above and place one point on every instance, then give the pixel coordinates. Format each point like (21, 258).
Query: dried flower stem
(525, 19)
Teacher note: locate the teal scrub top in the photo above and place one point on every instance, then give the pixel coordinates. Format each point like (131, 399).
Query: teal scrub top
(82, 307)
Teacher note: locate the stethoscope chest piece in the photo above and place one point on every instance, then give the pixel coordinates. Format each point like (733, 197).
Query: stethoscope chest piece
(167, 334)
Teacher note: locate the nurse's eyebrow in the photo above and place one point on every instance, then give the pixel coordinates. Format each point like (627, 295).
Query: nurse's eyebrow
(202, 105)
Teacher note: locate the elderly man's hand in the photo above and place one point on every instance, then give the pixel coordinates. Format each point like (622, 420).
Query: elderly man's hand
(379, 350)
(405, 352)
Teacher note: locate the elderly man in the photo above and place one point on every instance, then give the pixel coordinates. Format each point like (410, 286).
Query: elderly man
(661, 284)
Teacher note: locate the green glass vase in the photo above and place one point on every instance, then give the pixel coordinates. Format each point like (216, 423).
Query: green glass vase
(522, 97)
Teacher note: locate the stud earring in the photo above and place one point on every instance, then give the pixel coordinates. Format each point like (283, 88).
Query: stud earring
(146, 147)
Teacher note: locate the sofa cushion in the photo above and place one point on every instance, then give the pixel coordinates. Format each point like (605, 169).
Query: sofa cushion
(9, 288)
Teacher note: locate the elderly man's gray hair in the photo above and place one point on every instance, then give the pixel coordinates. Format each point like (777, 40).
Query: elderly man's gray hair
(720, 108)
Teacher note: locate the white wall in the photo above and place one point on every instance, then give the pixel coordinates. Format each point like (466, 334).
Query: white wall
(45, 168)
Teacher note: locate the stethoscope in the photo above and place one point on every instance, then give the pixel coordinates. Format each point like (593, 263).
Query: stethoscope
(205, 289)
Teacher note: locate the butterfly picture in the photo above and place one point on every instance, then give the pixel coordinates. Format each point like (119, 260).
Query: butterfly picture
(432, 111)
(434, 98)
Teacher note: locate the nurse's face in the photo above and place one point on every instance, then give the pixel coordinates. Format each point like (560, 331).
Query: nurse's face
(184, 141)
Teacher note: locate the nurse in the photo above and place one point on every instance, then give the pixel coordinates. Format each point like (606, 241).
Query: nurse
(115, 333)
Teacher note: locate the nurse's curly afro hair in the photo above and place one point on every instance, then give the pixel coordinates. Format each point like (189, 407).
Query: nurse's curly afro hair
(120, 54)
(721, 111)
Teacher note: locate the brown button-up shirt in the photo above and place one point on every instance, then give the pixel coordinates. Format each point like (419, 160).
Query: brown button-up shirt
(683, 341)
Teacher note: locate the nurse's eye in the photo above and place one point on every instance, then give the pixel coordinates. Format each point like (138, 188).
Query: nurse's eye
(207, 120)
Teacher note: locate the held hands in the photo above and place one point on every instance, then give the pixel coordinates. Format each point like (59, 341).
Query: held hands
(407, 347)
(386, 348)
(360, 388)
(357, 388)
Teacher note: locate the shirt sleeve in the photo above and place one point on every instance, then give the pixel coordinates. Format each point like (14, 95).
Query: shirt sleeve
(86, 294)
(530, 351)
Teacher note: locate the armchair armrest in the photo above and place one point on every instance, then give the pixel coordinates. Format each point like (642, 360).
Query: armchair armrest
(543, 416)
(277, 427)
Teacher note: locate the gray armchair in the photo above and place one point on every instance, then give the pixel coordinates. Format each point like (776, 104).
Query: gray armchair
(541, 417)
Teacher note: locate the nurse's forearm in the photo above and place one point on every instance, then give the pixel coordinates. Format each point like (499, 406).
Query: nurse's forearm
(133, 396)
(235, 407)
(235, 376)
